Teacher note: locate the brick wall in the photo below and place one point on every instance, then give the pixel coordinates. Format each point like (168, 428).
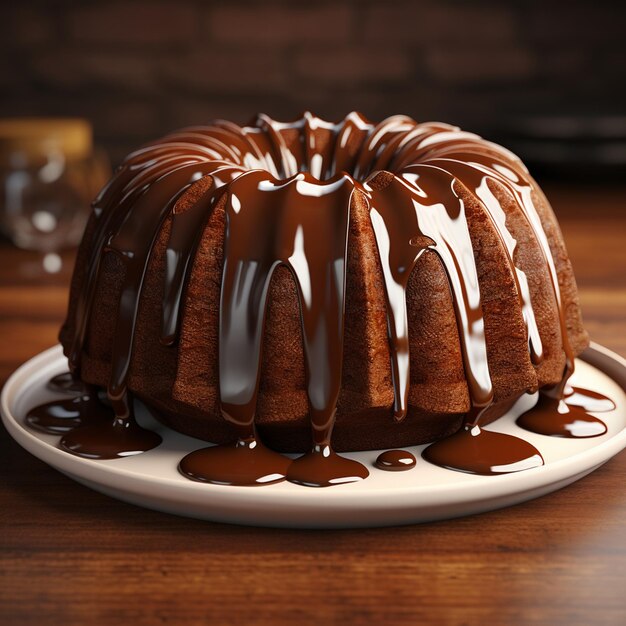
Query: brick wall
(518, 71)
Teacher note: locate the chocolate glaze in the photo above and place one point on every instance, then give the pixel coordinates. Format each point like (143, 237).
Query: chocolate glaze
(288, 203)
(477, 180)
(395, 461)
(182, 246)
(312, 243)
(434, 215)
(130, 233)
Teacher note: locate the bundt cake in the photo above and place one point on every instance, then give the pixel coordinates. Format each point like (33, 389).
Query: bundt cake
(369, 283)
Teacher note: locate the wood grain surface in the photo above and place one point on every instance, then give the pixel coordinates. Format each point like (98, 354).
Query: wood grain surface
(69, 555)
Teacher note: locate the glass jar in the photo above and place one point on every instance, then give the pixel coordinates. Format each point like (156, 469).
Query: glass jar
(49, 174)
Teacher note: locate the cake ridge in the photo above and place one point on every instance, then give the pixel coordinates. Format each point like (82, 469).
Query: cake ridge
(447, 229)
(523, 195)
(314, 225)
(413, 154)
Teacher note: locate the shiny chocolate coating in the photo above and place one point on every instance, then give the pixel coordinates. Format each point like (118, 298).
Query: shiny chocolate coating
(395, 461)
(288, 204)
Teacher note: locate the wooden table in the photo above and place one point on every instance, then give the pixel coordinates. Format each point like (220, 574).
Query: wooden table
(69, 555)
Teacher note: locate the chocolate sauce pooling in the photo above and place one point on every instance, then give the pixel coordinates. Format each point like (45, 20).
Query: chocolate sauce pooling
(288, 204)
(323, 467)
(312, 243)
(569, 416)
(395, 461)
(589, 400)
(243, 463)
(67, 383)
(62, 416)
(118, 436)
(90, 428)
(478, 451)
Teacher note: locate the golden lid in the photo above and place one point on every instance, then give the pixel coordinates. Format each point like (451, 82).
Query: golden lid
(38, 136)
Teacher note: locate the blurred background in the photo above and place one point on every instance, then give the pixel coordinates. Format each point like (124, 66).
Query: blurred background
(84, 83)
(548, 79)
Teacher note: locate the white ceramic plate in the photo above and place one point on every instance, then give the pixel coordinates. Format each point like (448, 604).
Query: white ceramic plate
(422, 494)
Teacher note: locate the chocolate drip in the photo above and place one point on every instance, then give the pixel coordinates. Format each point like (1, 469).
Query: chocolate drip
(471, 161)
(110, 217)
(477, 182)
(478, 157)
(133, 242)
(409, 219)
(551, 415)
(312, 243)
(149, 183)
(422, 211)
(395, 461)
(302, 222)
(131, 236)
(67, 383)
(181, 248)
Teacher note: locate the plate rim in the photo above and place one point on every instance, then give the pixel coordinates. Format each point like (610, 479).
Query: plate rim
(431, 494)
